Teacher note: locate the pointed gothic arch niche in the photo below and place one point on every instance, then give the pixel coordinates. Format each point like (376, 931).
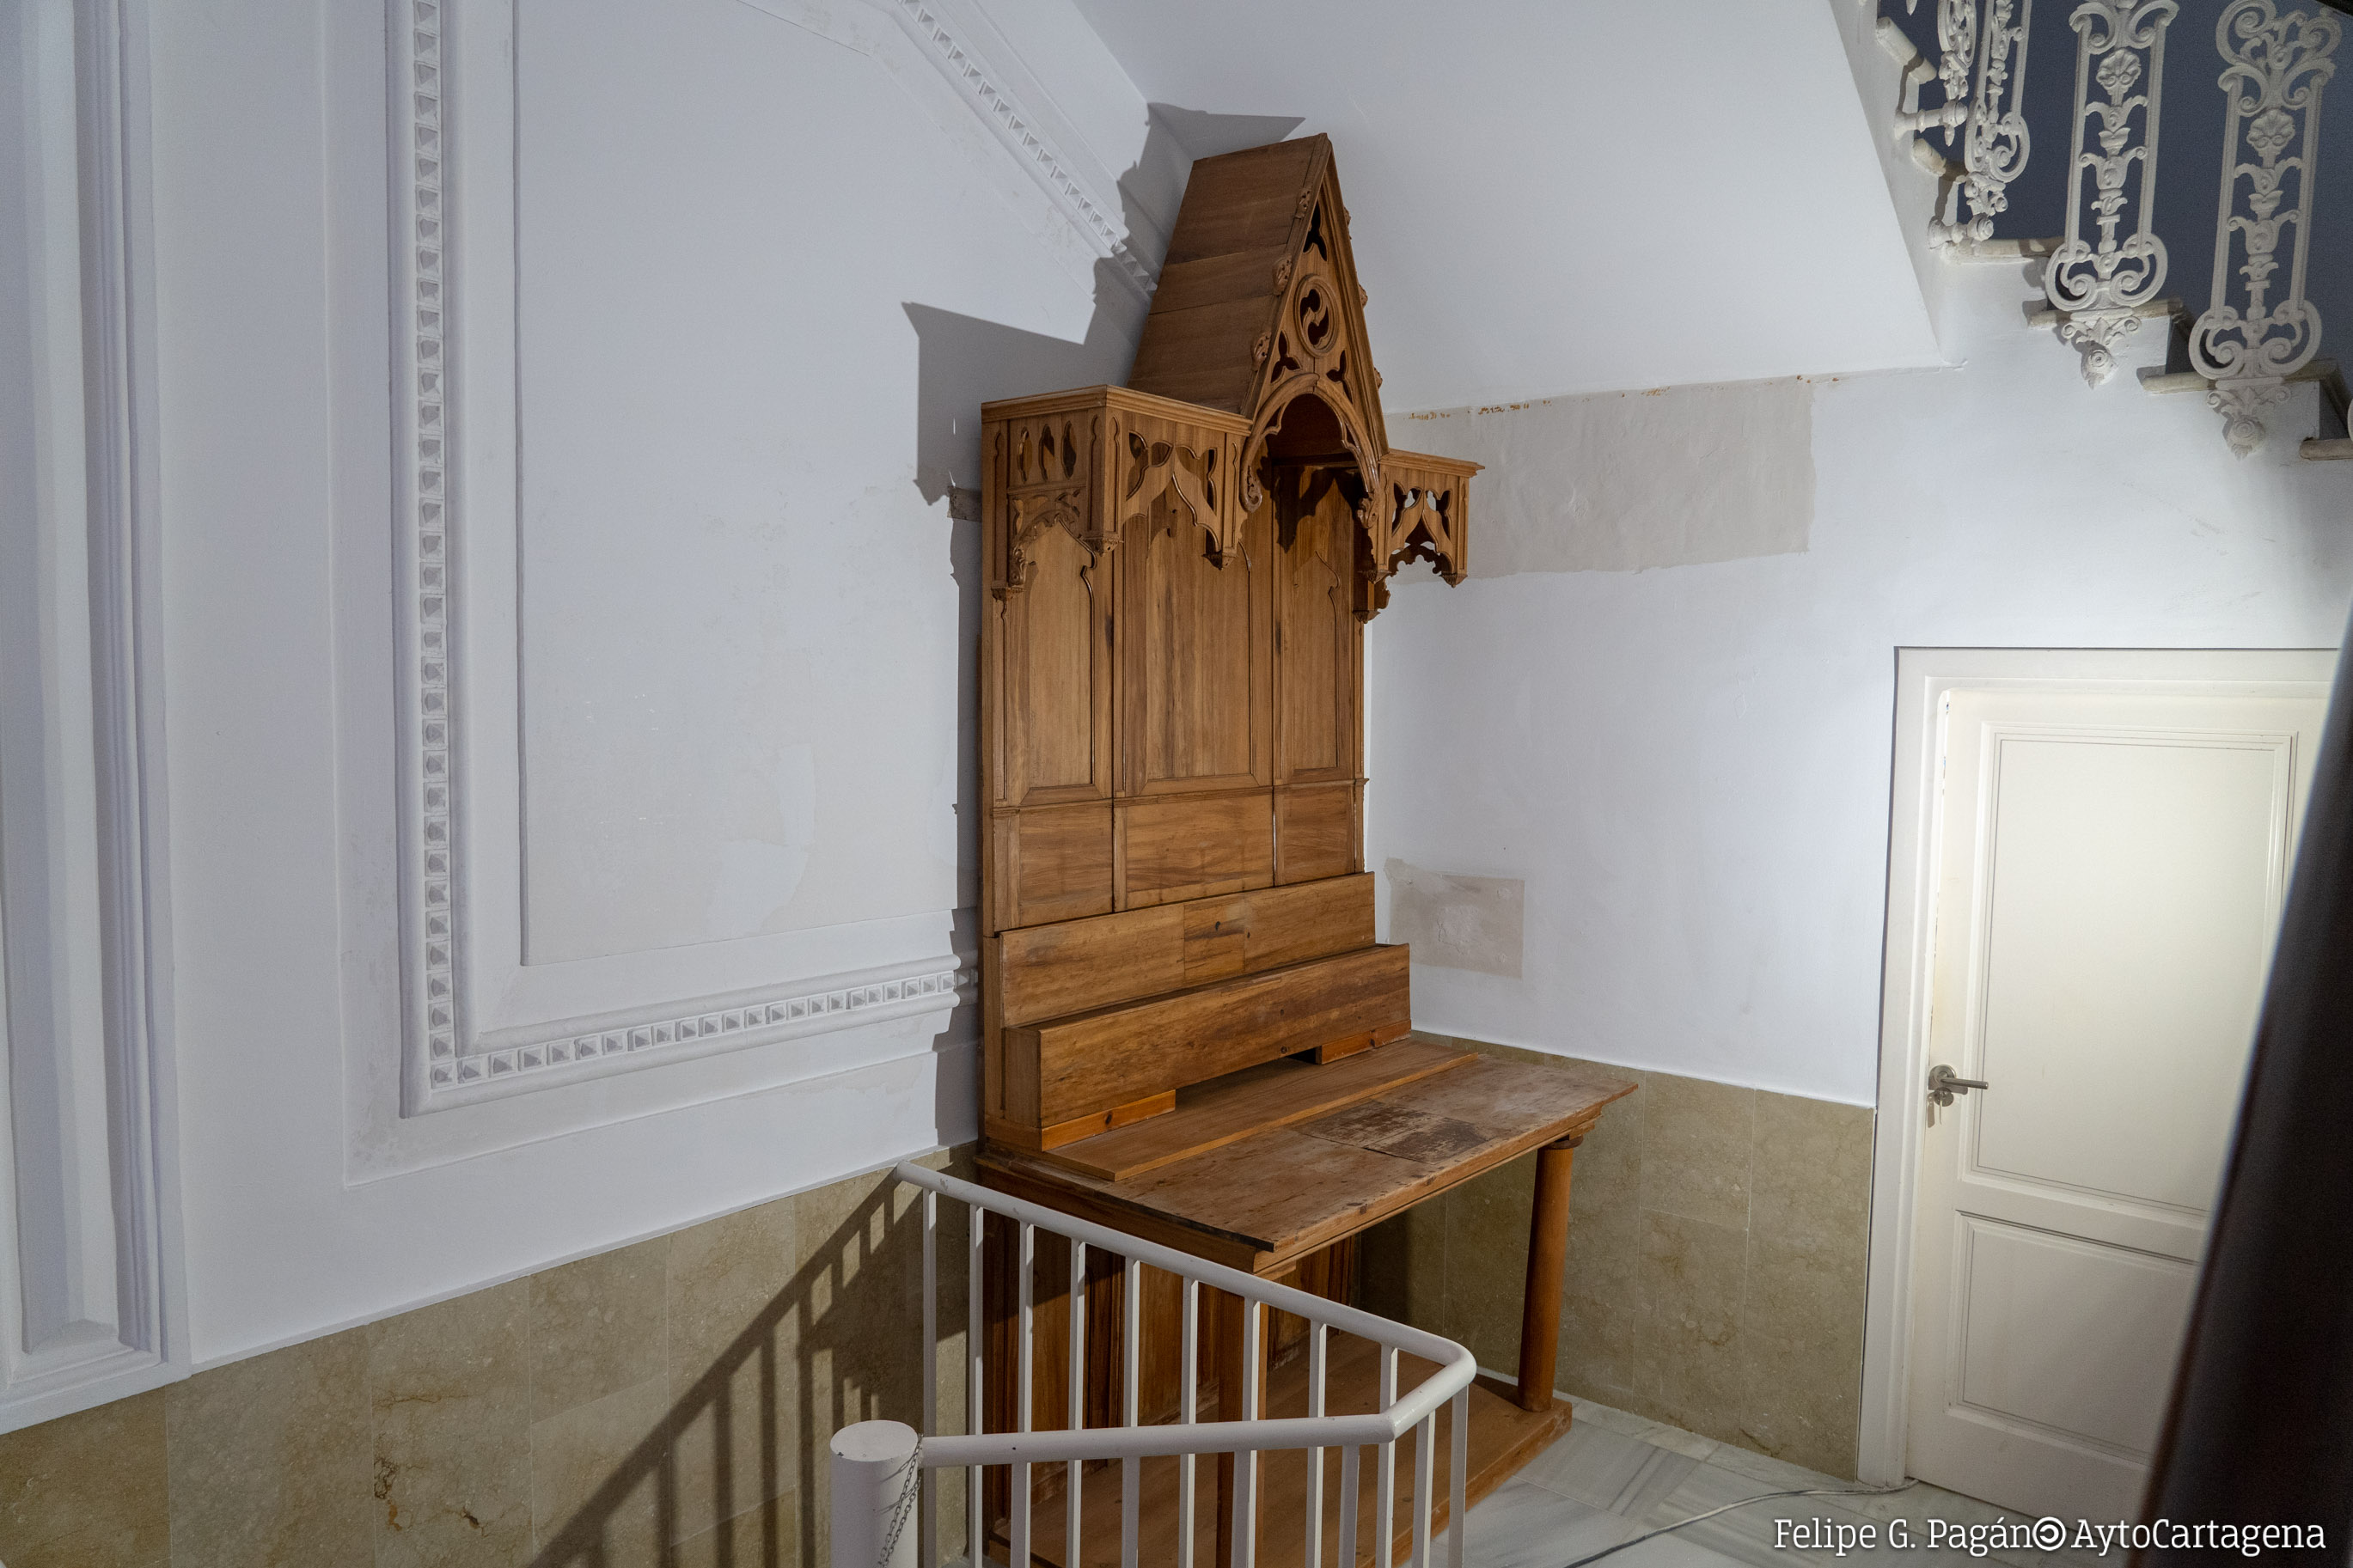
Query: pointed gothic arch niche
(1172, 672)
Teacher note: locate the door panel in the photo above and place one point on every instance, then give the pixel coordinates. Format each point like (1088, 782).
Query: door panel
(2066, 1338)
(2110, 868)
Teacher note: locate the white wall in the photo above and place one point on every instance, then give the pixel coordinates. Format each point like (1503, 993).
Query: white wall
(1688, 766)
(769, 262)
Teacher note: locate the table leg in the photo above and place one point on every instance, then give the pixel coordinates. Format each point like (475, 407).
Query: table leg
(1547, 1259)
(1228, 1311)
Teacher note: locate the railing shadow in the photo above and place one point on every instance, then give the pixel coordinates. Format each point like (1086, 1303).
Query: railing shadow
(835, 1346)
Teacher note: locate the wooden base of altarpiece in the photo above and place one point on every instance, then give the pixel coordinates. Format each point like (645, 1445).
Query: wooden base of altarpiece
(1285, 1201)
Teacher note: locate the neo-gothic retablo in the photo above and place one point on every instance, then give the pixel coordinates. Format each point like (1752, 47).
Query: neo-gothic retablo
(1179, 570)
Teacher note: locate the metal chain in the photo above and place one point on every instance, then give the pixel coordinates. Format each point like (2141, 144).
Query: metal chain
(911, 1494)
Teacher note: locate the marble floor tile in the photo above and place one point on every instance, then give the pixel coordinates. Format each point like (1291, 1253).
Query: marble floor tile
(1658, 1434)
(1749, 1533)
(1607, 1470)
(1615, 1475)
(1522, 1525)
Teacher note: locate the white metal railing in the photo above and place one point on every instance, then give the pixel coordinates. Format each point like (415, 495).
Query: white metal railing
(2259, 329)
(885, 1504)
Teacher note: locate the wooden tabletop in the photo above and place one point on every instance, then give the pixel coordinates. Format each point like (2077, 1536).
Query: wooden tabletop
(1262, 1201)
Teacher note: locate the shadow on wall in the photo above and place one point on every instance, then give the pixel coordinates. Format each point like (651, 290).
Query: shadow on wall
(820, 1355)
(963, 361)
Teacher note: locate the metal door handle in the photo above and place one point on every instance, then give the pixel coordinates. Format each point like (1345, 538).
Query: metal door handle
(1944, 1083)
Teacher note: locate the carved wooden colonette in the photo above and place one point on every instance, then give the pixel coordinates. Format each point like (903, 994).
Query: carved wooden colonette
(1190, 1031)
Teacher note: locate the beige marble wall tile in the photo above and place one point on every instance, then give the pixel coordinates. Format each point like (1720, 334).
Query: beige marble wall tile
(1603, 1342)
(764, 1537)
(732, 1364)
(450, 1398)
(1812, 1170)
(271, 1460)
(87, 1491)
(1697, 1138)
(1802, 1351)
(597, 1326)
(598, 1476)
(1486, 1222)
(1693, 1276)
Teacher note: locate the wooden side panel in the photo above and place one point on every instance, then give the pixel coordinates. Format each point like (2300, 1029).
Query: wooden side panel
(1050, 971)
(1319, 642)
(1054, 863)
(1057, 678)
(1317, 832)
(1097, 1061)
(1196, 682)
(1171, 850)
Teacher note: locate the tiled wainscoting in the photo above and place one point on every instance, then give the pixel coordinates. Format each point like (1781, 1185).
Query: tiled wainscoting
(1715, 1263)
(668, 1403)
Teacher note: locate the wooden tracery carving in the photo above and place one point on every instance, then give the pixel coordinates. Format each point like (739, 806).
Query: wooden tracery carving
(1172, 664)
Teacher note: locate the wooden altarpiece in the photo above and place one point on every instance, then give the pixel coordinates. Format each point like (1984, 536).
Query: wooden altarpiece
(1173, 676)
(1178, 956)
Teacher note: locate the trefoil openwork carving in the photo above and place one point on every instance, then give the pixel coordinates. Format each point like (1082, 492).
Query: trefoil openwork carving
(1049, 465)
(2251, 339)
(2099, 285)
(1312, 355)
(1995, 145)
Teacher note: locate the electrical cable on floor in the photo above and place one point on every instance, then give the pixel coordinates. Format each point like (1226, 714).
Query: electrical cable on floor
(1744, 1502)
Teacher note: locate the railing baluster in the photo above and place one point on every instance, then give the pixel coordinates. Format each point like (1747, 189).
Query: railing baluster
(1073, 1473)
(974, 1410)
(1995, 147)
(1425, 1481)
(1021, 1552)
(1130, 1370)
(1246, 1461)
(1315, 1367)
(2100, 285)
(2274, 68)
(1385, 1484)
(1458, 1481)
(927, 1550)
(1348, 1457)
(1190, 1352)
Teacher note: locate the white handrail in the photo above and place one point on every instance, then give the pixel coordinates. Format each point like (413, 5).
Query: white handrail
(1413, 1412)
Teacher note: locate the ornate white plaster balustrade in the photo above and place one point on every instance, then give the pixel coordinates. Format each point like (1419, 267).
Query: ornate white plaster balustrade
(2105, 275)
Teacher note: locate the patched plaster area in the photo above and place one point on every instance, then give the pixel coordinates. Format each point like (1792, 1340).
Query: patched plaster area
(1456, 923)
(1622, 481)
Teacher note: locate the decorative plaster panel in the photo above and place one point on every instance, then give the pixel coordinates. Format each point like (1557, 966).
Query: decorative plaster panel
(478, 1022)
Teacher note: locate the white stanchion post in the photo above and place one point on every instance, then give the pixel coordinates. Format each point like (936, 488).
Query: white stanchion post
(877, 1493)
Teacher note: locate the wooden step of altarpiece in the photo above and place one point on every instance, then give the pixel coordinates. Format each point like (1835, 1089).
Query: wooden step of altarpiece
(1069, 1077)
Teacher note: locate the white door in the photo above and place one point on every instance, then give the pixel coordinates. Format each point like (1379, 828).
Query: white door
(2110, 868)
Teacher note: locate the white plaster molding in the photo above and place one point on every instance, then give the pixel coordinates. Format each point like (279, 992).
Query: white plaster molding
(91, 1271)
(804, 1008)
(478, 1022)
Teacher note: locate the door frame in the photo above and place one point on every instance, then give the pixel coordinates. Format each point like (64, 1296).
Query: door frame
(1924, 677)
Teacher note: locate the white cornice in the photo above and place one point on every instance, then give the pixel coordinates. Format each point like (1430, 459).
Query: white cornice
(960, 48)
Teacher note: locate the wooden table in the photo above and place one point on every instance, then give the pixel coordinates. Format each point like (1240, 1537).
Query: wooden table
(1266, 1169)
